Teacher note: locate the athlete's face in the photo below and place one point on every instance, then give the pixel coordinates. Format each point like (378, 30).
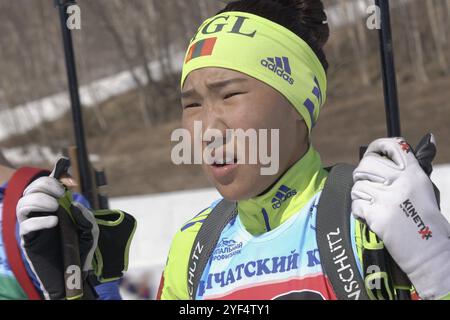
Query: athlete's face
(224, 99)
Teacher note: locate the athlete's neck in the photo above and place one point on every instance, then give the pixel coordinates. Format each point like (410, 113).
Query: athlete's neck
(286, 197)
(297, 157)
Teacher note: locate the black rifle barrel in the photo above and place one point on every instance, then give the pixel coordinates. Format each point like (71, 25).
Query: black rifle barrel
(388, 68)
(392, 115)
(82, 154)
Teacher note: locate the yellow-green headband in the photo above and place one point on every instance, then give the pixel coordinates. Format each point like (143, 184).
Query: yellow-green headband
(265, 51)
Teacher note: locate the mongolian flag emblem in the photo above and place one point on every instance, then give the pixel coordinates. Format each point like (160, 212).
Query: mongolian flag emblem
(201, 48)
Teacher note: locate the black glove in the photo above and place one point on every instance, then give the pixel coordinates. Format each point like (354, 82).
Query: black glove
(112, 253)
(425, 153)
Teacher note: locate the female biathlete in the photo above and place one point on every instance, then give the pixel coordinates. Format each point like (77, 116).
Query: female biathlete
(259, 64)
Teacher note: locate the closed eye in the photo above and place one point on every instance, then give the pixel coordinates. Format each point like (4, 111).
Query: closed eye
(192, 105)
(233, 94)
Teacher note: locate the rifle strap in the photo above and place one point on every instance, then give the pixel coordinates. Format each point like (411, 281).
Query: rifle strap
(334, 235)
(206, 241)
(14, 191)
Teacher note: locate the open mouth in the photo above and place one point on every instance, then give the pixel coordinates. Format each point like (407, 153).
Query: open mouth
(222, 168)
(223, 163)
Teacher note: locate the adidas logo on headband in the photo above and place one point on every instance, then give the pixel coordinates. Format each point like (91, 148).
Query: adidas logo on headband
(280, 66)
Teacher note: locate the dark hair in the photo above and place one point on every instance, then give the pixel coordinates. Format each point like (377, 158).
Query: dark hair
(303, 17)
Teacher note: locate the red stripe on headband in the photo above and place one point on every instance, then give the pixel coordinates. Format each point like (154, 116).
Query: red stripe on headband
(208, 47)
(201, 48)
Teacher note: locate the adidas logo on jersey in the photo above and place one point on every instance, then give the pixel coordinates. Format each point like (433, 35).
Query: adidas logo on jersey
(280, 66)
(282, 195)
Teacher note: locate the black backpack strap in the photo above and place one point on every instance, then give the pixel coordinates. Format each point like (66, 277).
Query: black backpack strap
(206, 241)
(334, 237)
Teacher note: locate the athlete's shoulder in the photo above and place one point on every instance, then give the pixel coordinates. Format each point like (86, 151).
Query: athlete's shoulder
(194, 224)
(185, 236)
(174, 282)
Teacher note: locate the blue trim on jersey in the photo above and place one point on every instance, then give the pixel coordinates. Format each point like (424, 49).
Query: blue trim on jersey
(266, 219)
(190, 224)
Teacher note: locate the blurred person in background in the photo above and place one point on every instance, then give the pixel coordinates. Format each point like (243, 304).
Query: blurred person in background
(260, 64)
(138, 288)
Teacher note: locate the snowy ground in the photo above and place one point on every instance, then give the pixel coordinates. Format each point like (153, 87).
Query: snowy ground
(160, 216)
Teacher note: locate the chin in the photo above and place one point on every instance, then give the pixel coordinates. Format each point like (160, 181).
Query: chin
(245, 184)
(234, 192)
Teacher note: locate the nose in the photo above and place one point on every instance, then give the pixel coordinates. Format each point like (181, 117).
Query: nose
(214, 124)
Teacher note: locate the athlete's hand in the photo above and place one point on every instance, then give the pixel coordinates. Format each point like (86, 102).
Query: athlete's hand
(40, 234)
(395, 197)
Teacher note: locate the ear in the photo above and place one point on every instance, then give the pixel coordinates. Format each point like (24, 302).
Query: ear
(302, 130)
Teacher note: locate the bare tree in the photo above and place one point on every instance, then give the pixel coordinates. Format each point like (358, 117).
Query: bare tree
(348, 9)
(438, 34)
(411, 32)
(111, 25)
(447, 5)
(100, 118)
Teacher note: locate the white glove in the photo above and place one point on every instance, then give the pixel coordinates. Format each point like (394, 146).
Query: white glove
(395, 197)
(40, 234)
(40, 196)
